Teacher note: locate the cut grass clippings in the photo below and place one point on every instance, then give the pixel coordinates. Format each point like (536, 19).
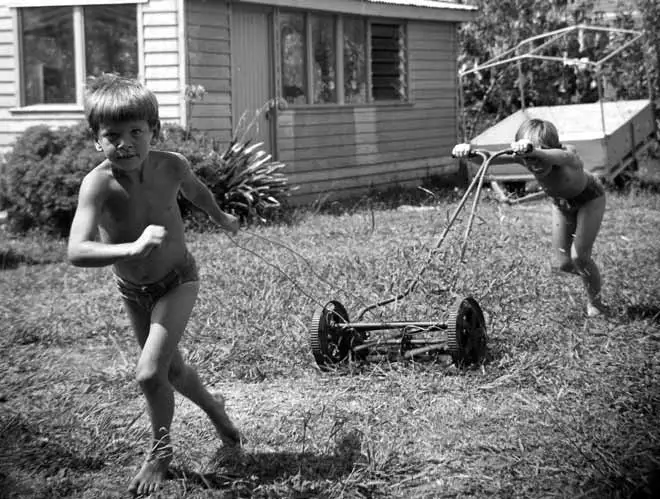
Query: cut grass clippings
(564, 406)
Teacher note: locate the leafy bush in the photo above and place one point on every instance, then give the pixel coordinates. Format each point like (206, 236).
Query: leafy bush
(43, 172)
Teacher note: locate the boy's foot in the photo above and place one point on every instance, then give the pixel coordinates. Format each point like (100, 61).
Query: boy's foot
(596, 310)
(152, 474)
(228, 433)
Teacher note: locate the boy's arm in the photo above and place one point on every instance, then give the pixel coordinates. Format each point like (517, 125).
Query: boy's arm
(562, 157)
(199, 194)
(82, 250)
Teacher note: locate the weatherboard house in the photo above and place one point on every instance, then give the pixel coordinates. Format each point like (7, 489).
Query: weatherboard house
(352, 94)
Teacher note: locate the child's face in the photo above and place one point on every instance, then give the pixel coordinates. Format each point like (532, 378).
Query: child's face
(127, 143)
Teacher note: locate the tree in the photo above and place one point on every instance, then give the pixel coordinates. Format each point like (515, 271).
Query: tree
(493, 94)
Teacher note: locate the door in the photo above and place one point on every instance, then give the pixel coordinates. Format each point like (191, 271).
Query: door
(252, 73)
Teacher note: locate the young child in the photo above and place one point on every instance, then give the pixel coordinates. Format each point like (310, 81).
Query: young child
(577, 196)
(131, 198)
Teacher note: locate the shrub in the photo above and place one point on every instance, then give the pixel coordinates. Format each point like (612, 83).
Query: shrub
(43, 172)
(42, 175)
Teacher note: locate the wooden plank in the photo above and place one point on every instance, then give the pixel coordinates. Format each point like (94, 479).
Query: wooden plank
(156, 59)
(214, 85)
(311, 174)
(344, 131)
(211, 72)
(211, 110)
(213, 123)
(161, 73)
(160, 32)
(208, 32)
(209, 59)
(160, 18)
(209, 46)
(349, 156)
(157, 46)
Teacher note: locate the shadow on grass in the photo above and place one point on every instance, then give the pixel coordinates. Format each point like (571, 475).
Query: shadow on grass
(23, 445)
(644, 312)
(294, 470)
(10, 259)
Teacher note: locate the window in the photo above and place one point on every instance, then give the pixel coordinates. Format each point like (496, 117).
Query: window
(388, 62)
(355, 61)
(294, 76)
(324, 48)
(58, 42)
(368, 64)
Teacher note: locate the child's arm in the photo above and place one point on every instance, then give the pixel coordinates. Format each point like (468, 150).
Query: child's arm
(466, 150)
(197, 193)
(84, 251)
(545, 159)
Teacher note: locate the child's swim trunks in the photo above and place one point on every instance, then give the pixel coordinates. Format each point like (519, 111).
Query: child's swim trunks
(147, 295)
(592, 190)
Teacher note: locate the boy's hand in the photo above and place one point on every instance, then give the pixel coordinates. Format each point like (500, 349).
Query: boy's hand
(230, 224)
(522, 147)
(152, 237)
(461, 150)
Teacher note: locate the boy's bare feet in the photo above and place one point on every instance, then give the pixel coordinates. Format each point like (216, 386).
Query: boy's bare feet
(228, 433)
(596, 310)
(152, 473)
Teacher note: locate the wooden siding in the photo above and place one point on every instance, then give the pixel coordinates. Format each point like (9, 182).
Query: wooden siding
(8, 88)
(160, 35)
(209, 64)
(347, 150)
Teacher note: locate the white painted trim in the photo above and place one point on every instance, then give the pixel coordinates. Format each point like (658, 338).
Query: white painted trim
(339, 59)
(443, 12)
(65, 3)
(183, 64)
(79, 54)
(140, 42)
(18, 64)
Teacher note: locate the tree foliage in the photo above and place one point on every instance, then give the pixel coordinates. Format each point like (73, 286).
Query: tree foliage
(492, 94)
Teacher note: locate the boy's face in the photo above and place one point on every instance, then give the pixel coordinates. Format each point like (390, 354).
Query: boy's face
(126, 144)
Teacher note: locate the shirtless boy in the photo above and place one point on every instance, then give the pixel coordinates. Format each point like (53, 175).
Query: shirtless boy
(578, 200)
(131, 200)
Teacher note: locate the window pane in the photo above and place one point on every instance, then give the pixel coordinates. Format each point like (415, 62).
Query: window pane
(49, 73)
(388, 62)
(323, 45)
(111, 40)
(355, 61)
(292, 33)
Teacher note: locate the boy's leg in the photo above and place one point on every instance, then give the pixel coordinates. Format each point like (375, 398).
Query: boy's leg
(159, 344)
(590, 217)
(186, 381)
(563, 232)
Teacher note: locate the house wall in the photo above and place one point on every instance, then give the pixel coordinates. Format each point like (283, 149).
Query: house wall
(158, 28)
(351, 149)
(209, 65)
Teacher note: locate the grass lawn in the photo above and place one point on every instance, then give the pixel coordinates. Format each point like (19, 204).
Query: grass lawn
(564, 406)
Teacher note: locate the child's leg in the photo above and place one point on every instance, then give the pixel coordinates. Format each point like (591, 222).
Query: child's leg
(563, 232)
(186, 381)
(589, 220)
(159, 340)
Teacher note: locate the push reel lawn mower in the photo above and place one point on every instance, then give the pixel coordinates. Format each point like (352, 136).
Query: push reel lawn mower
(460, 333)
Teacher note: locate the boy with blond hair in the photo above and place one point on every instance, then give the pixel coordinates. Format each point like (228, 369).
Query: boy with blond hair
(130, 200)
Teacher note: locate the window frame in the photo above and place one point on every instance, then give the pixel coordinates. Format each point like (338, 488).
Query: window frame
(77, 7)
(339, 61)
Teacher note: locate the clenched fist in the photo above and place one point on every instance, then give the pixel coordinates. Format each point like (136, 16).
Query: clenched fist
(152, 237)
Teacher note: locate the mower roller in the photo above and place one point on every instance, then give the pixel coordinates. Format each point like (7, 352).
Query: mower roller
(459, 333)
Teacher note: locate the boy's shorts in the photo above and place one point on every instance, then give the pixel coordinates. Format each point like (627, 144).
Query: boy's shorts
(592, 190)
(147, 295)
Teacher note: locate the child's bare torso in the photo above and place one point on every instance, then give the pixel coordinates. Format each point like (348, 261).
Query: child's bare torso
(564, 181)
(132, 204)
